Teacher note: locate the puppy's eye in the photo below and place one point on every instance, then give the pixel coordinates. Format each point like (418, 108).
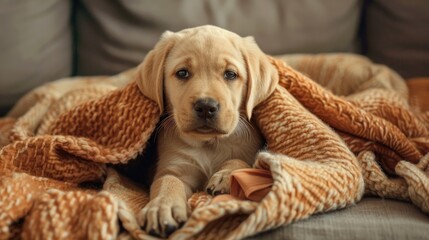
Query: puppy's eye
(182, 74)
(230, 75)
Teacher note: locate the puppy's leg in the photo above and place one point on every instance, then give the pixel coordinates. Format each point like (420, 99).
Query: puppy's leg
(167, 210)
(220, 182)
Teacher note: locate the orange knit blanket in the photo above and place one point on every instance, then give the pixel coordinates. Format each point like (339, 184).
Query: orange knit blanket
(327, 147)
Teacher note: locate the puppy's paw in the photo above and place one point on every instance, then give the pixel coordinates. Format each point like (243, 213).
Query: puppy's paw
(219, 183)
(162, 216)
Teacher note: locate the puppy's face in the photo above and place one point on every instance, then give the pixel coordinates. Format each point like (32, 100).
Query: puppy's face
(205, 77)
(205, 82)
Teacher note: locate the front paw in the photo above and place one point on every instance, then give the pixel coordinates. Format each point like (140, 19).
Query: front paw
(163, 215)
(219, 183)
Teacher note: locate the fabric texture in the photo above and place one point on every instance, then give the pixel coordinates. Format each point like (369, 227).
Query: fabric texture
(396, 35)
(35, 46)
(326, 150)
(372, 218)
(116, 35)
(419, 92)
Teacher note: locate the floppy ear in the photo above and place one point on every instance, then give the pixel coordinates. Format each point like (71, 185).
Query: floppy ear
(150, 74)
(262, 76)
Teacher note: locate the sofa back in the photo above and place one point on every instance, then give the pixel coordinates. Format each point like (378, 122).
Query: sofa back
(46, 40)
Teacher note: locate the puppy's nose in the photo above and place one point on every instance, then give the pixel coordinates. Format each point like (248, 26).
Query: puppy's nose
(206, 108)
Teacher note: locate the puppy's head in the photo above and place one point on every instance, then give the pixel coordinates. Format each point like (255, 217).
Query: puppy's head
(206, 77)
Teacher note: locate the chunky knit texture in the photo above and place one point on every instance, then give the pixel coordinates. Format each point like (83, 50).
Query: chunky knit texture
(327, 146)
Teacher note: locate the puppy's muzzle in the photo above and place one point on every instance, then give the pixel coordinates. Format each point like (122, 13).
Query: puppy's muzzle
(206, 108)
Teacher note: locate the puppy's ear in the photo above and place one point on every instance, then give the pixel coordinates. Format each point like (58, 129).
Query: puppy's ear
(262, 76)
(150, 74)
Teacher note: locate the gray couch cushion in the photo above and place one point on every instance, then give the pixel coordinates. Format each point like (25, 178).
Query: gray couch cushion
(116, 35)
(35, 45)
(398, 35)
(372, 218)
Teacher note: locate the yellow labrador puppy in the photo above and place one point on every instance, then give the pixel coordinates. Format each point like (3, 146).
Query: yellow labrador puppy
(207, 80)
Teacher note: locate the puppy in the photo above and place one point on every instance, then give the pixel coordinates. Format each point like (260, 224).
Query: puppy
(207, 80)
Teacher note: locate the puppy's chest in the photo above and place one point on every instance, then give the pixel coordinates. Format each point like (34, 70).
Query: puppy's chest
(217, 153)
(221, 152)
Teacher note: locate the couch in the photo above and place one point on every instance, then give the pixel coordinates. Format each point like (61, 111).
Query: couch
(51, 39)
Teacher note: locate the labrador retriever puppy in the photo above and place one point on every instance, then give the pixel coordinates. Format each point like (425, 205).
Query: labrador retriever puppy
(207, 81)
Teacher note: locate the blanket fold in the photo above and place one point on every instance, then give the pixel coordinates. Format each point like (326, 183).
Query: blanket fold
(345, 116)
(332, 134)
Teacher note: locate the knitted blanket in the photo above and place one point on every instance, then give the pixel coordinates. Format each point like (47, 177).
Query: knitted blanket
(336, 127)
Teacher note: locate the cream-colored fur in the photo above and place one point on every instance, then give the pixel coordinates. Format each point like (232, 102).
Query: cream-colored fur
(199, 153)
